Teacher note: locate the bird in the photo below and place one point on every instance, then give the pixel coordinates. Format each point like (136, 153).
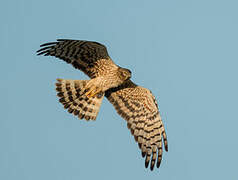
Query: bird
(83, 98)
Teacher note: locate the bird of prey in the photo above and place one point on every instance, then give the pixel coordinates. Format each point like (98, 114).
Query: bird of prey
(83, 98)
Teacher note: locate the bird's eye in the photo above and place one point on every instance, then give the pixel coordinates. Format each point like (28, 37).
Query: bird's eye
(123, 74)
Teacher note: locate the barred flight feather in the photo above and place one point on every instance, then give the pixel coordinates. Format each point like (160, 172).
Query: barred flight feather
(143, 119)
(71, 94)
(135, 104)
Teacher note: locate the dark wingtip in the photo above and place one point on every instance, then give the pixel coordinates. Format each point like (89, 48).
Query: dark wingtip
(64, 39)
(152, 167)
(41, 53)
(146, 164)
(143, 154)
(47, 44)
(45, 49)
(158, 163)
(166, 148)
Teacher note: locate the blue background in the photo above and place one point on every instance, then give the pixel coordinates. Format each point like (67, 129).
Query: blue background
(184, 51)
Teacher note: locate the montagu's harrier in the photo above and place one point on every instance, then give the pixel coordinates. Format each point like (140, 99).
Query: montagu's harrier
(83, 98)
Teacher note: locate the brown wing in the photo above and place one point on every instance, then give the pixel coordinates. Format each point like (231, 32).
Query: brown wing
(138, 107)
(83, 55)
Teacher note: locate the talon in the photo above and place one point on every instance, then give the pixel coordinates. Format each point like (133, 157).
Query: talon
(92, 88)
(88, 93)
(91, 95)
(92, 92)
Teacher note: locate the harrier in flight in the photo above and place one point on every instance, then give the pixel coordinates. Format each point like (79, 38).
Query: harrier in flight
(83, 98)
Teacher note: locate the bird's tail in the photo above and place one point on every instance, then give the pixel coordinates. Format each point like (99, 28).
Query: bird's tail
(72, 96)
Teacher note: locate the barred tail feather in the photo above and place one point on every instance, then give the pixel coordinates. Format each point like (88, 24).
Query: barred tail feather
(72, 96)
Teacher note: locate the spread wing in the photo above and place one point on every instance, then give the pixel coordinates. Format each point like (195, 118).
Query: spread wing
(138, 107)
(83, 55)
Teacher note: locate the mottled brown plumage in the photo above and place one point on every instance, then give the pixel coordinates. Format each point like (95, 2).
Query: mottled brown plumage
(138, 107)
(83, 98)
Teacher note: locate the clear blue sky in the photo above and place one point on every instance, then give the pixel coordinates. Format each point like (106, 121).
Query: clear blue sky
(184, 51)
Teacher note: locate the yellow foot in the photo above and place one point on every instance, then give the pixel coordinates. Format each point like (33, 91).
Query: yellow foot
(93, 87)
(92, 91)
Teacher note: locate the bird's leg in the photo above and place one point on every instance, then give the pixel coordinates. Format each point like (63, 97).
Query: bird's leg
(93, 87)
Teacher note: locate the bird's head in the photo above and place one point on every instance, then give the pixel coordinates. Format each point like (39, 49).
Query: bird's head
(124, 74)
